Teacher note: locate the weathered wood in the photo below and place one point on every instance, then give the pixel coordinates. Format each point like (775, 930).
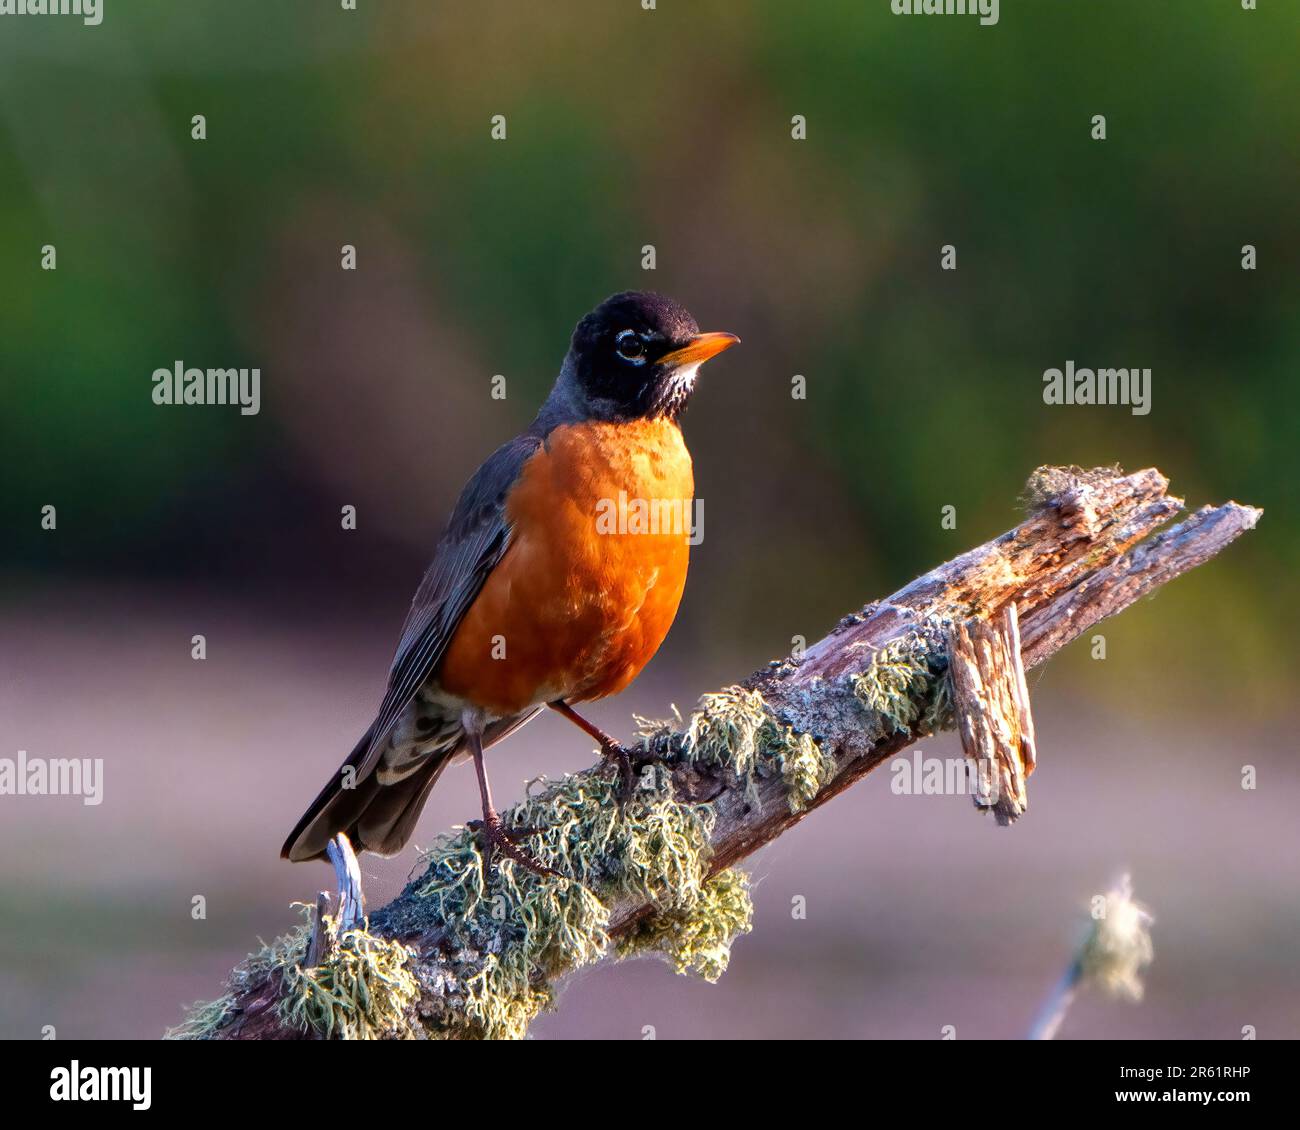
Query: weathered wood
(1078, 557)
(991, 704)
(347, 873)
(319, 946)
(1074, 561)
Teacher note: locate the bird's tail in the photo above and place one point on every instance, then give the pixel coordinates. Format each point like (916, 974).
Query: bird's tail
(376, 818)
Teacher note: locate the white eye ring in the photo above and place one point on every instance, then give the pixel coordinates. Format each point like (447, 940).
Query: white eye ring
(630, 339)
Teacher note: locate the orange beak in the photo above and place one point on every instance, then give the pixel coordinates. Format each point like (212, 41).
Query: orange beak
(700, 348)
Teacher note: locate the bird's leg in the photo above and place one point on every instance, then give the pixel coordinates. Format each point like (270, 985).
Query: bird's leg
(609, 748)
(496, 836)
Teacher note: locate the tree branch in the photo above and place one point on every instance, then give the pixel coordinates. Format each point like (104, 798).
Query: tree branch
(478, 953)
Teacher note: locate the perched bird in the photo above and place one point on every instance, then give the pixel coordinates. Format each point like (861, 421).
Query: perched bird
(532, 600)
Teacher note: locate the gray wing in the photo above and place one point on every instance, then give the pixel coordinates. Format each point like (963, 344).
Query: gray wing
(476, 539)
(377, 816)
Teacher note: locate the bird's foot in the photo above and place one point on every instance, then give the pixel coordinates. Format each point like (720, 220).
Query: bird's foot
(497, 837)
(621, 758)
(613, 753)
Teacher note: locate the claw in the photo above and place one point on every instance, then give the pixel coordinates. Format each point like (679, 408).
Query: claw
(622, 760)
(497, 837)
(609, 748)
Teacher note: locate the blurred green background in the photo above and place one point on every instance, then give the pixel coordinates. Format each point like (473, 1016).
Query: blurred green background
(626, 127)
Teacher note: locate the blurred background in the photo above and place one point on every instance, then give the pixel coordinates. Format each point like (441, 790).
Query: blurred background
(475, 257)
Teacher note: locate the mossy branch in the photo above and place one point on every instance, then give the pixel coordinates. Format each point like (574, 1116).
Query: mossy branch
(463, 954)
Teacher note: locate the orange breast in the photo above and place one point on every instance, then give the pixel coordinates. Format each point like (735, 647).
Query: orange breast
(590, 583)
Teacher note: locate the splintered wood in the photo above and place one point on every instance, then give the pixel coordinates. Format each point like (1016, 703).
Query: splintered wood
(991, 705)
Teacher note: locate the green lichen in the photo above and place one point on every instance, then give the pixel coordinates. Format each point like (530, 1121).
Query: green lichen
(730, 729)
(510, 933)
(805, 768)
(515, 931)
(205, 1019)
(906, 685)
(363, 990)
(938, 714)
(697, 941)
(736, 729)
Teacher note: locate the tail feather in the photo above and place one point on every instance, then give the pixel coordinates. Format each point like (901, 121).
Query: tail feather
(375, 817)
(365, 811)
(388, 822)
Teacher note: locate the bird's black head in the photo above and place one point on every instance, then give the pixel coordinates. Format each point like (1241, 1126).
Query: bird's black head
(635, 356)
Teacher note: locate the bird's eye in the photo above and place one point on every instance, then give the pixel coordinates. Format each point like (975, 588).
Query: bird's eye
(630, 346)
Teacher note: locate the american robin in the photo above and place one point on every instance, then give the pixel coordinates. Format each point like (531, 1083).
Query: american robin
(553, 583)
